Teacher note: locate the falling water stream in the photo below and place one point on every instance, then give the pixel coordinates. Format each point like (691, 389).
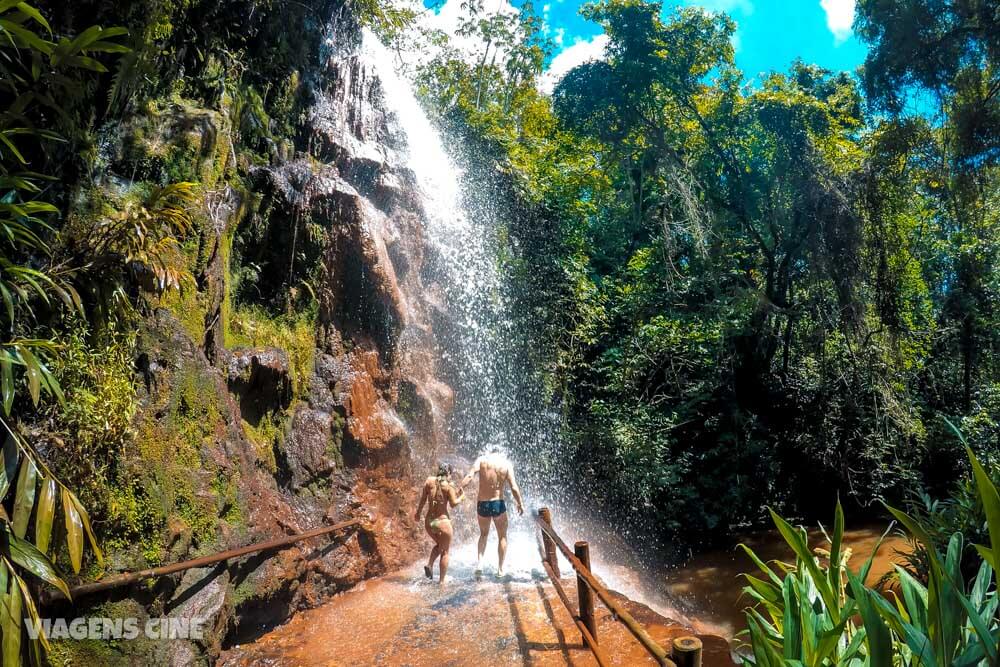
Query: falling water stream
(482, 349)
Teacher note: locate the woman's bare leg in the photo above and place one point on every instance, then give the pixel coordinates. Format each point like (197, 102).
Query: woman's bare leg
(443, 545)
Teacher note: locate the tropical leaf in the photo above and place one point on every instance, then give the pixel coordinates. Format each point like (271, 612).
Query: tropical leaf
(45, 514)
(24, 496)
(26, 555)
(74, 530)
(878, 640)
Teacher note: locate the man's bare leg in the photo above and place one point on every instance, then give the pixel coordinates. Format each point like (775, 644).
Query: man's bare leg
(501, 524)
(484, 535)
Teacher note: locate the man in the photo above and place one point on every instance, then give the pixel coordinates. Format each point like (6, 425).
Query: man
(495, 474)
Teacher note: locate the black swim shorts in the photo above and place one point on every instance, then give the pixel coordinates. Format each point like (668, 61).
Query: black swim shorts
(491, 508)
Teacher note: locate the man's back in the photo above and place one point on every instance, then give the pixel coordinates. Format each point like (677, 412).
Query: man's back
(493, 477)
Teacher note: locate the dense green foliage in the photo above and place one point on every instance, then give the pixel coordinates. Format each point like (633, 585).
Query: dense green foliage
(117, 145)
(803, 611)
(749, 295)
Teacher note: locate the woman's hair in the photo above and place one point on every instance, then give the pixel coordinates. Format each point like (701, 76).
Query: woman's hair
(444, 470)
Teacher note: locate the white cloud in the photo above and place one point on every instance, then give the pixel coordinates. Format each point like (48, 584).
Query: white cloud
(559, 36)
(449, 17)
(839, 17)
(577, 54)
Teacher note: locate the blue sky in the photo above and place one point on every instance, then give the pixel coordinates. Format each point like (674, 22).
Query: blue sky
(770, 33)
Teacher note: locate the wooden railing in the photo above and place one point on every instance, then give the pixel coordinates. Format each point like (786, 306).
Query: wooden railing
(151, 573)
(686, 651)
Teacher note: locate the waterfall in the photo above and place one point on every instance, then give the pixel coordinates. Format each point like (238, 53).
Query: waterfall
(495, 404)
(480, 346)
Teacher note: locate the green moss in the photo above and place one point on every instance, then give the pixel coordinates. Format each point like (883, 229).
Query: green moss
(252, 326)
(334, 446)
(110, 652)
(73, 653)
(265, 437)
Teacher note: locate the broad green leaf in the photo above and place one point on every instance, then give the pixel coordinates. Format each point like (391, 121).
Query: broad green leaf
(798, 544)
(761, 565)
(24, 496)
(791, 623)
(45, 514)
(835, 545)
(766, 590)
(878, 637)
(914, 598)
(28, 556)
(74, 531)
(991, 505)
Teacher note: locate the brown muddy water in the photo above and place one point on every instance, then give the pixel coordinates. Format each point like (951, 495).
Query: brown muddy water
(708, 588)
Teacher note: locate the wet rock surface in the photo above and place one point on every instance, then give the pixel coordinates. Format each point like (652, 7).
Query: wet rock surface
(403, 619)
(245, 443)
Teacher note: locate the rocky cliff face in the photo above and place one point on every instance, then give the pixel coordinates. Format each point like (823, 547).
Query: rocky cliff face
(241, 443)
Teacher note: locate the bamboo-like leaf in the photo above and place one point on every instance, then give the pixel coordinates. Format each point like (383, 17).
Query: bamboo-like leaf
(6, 384)
(32, 372)
(45, 514)
(10, 623)
(27, 555)
(8, 466)
(74, 530)
(34, 15)
(85, 518)
(24, 497)
(29, 606)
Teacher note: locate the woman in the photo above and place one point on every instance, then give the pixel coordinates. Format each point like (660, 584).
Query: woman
(440, 495)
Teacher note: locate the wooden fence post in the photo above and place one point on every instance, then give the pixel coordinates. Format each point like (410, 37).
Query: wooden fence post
(549, 544)
(585, 595)
(687, 652)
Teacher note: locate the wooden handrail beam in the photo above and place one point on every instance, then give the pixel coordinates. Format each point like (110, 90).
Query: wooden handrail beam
(620, 613)
(599, 655)
(150, 573)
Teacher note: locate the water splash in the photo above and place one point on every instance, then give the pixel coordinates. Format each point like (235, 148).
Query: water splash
(483, 350)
